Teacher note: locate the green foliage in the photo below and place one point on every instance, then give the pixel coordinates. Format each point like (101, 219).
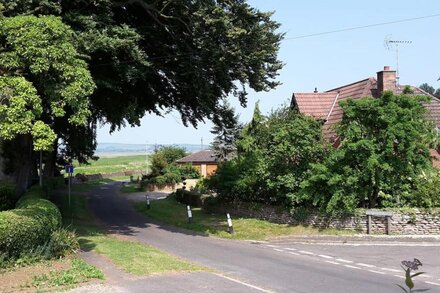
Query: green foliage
(165, 171)
(274, 155)
(171, 153)
(8, 196)
(79, 272)
(383, 146)
(425, 192)
(188, 197)
(226, 130)
(142, 57)
(29, 225)
(62, 243)
(43, 78)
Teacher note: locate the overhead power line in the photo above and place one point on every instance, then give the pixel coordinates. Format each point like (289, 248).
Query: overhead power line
(362, 27)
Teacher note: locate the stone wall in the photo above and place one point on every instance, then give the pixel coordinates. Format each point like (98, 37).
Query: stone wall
(411, 222)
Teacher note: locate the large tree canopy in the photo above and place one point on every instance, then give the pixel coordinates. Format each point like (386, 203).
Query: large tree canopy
(151, 55)
(143, 56)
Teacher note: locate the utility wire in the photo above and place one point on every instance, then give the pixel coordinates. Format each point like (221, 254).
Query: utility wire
(171, 56)
(362, 27)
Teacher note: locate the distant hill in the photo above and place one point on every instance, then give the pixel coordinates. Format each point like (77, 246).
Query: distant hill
(130, 149)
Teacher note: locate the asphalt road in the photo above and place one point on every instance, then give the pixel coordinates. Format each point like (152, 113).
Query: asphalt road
(283, 265)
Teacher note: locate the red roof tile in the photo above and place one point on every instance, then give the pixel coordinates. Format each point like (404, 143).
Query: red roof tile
(435, 158)
(314, 104)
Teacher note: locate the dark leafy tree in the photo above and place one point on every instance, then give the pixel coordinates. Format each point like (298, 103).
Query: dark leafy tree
(226, 130)
(383, 147)
(150, 57)
(273, 160)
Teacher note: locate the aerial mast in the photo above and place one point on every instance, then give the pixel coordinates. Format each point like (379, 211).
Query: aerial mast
(391, 44)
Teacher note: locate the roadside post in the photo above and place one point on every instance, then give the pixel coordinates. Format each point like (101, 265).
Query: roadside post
(148, 201)
(189, 214)
(69, 171)
(230, 227)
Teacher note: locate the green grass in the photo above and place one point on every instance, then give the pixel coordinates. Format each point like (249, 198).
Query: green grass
(135, 258)
(171, 212)
(113, 164)
(132, 257)
(130, 188)
(79, 272)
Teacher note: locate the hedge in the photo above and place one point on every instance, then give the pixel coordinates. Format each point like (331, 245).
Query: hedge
(187, 197)
(7, 196)
(29, 225)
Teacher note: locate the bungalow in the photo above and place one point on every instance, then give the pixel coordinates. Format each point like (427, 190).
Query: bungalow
(325, 105)
(204, 161)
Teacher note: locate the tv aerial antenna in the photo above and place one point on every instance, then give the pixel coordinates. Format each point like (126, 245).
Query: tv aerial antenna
(391, 44)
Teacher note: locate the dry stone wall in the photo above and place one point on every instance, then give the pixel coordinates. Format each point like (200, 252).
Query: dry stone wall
(408, 222)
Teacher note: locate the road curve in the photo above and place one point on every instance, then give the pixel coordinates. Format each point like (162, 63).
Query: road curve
(270, 268)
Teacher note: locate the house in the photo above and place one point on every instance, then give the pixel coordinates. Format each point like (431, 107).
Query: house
(204, 161)
(325, 105)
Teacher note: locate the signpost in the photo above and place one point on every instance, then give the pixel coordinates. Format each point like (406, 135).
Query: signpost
(69, 171)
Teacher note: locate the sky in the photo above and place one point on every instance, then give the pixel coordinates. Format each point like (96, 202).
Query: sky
(324, 61)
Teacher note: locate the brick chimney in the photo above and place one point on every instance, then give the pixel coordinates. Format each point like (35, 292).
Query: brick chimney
(386, 80)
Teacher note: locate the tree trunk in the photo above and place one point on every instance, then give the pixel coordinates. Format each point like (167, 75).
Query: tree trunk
(49, 162)
(24, 163)
(373, 197)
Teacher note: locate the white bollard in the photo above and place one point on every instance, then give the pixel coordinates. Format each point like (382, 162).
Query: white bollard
(189, 214)
(230, 227)
(148, 201)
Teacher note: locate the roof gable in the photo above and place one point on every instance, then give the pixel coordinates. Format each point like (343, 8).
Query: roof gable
(205, 156)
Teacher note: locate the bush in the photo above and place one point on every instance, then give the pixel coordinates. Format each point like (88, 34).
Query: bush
(63, 242)
(8, 198)
(427, 192)
(191, 198)
(29, 225)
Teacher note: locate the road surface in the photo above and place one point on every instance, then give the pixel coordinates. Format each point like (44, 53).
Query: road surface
(282, 265)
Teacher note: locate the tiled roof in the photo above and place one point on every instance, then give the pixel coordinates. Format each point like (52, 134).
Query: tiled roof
(205, 156)
(435, 158)
(356, 90)
(321, 105)
(314, 104)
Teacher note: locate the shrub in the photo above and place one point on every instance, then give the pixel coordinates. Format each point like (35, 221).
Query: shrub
(426, 193)
(8, 197)
(29, 225)
(187, 197)
(63, 242)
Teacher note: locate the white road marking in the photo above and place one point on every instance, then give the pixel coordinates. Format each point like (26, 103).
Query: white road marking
(271, 245)
(325, 256)
(332, 262)
(344, 260)
(294, 253)
(244, 284)
(276, 249)
(292, 249)
(365, 265)
(306, 252)
(162, 197)
(398, 276)
(390, 270)
(352, 267)
(432, 283)
(377, 272)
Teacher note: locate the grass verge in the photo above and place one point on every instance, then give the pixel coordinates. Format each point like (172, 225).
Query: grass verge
(132, 257)
(171, 212)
